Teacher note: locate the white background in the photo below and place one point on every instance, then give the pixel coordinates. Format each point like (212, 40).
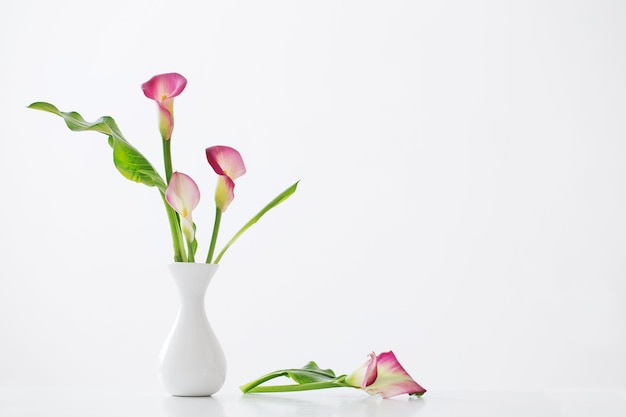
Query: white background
(462, 198)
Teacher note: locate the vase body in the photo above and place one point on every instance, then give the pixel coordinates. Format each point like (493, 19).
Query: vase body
(192, 362)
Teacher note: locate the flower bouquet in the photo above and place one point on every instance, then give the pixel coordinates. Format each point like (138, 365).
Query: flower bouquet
(179, 192)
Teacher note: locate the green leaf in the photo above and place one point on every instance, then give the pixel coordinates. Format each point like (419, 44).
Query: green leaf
(309, 377)
(310, 373)
(128, 160)
(276, 201)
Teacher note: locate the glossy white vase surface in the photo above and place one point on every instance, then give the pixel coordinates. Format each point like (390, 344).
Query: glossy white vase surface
(192, 363)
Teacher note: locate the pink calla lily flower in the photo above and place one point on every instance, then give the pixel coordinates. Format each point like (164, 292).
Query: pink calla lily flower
(228, 164)
(183, 195)
(162, 89)
(384, 375)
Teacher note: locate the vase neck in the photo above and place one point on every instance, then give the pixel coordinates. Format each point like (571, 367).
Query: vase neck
(192, 279)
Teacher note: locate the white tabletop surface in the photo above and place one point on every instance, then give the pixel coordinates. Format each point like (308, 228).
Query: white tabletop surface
(110, 402)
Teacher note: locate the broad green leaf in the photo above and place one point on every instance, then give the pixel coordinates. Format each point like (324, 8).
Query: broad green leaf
(128, 160)
(310, 373)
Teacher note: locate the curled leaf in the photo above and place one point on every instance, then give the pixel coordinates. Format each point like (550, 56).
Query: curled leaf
(128, 160)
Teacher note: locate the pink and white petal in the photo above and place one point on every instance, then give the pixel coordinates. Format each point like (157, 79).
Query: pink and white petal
(357, 377)
(164, 86)
(393, 379)
(226, 161)
(166, 121)
(371, 373)
(365, 375)
(224, 192)
(174, 200)
(182, 194)
(188, 189)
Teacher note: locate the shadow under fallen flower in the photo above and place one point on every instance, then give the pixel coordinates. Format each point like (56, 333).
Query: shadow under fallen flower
(317, 404)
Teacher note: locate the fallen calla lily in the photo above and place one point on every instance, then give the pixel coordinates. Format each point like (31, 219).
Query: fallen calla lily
(183, 196)
(228, 164)
(384, 375)
(381, 374)
(162, 89)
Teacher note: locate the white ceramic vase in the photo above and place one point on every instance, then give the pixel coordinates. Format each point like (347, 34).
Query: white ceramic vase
(192, 363)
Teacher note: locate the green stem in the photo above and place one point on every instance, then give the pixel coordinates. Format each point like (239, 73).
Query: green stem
(254, 385)
(250, 385)
(216, 229)
(296, 387)
(167, 159)
(172, 216)
(190, 254)
(177, 238)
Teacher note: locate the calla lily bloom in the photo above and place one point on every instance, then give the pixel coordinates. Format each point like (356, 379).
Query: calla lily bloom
(162, 89)
(384, 375)
(228, 164)
(183, 195)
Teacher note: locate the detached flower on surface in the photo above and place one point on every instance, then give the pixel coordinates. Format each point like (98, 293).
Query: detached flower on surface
(381, 374)
(228, 165)
(162, 89)
(183, 195)
(384, 375)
